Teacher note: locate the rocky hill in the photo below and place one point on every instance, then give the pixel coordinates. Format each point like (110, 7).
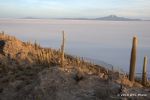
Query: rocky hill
(31, 72)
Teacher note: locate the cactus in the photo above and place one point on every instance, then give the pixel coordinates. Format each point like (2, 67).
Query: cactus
(133, 60)
(62, 49)
(144, 74)
(35, 45)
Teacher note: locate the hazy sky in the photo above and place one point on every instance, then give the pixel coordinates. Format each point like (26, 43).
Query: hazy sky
(74, 8)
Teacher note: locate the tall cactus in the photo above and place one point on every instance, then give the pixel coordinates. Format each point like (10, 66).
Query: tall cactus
(62, 49)
(144, 74)
(133, 59)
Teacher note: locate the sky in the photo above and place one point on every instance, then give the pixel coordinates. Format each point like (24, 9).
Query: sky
(74, 8)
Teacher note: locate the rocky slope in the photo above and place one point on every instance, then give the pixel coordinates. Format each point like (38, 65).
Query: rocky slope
(30, 72)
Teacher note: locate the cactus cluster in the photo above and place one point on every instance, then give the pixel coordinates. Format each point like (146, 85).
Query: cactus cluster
(133, 64)
(6, 37)
(47, 56)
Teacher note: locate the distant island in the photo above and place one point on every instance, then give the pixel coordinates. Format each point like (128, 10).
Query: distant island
(106, 18)
(116, 18)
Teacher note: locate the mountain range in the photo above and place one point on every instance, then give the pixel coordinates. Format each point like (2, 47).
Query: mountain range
(106, 18)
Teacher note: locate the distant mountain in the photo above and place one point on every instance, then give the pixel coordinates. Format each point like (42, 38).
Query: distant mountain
(116, 18)
(30, 18)
(106, 18)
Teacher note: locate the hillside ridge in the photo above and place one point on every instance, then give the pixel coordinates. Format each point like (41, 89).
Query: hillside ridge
(31, 72)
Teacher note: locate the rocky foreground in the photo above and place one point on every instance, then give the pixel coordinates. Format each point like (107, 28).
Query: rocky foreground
(30, 72)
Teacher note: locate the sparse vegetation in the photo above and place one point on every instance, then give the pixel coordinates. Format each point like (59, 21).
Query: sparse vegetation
(30, 71)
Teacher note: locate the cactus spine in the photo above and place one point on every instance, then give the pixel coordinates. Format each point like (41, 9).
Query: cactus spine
(133, 60)
(144, 74)
(62, 49)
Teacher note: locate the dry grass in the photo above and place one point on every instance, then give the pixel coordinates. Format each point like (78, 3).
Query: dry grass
(18, 55)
